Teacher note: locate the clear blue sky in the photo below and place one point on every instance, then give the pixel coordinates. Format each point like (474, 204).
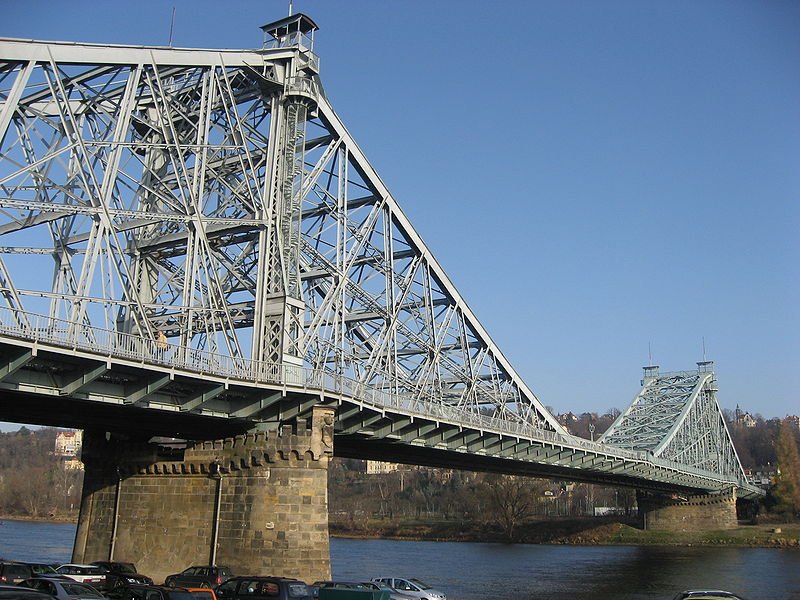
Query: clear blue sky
(595, 177)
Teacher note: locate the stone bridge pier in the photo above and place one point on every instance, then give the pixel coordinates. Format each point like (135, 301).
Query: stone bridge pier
(257, 503)
(690, 513)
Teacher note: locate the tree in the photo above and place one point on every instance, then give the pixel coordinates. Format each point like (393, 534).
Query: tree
(512, 497)
(787, 486)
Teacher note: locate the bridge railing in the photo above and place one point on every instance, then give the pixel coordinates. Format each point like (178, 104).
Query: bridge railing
(16, 323)
(19, 324)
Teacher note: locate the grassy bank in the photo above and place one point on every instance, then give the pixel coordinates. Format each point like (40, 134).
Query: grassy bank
(69, 518)
(587, 531)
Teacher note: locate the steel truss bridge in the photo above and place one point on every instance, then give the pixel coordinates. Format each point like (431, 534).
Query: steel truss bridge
(192, 244)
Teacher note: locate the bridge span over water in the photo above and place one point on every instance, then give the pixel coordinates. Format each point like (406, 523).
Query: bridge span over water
(192, 245)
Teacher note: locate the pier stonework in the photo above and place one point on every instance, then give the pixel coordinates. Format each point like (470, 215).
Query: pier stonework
(257, 503)
(692, 513)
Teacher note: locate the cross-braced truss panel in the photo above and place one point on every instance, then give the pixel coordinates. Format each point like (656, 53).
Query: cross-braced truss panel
(138, 188)
(217, 204)
(653, 413)
(379, 309)
(676, 416)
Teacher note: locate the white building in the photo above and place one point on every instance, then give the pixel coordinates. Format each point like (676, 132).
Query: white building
(68, 443)
(376, 467)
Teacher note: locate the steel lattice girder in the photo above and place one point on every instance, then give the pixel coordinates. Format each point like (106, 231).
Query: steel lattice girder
(676, 416)
(215, 196)
(146, 181)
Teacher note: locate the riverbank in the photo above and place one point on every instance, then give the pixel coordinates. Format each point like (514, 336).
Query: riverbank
(579, 531)
(565, 531)
(48, 519)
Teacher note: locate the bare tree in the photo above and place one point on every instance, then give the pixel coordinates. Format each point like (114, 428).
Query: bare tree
(512, 499)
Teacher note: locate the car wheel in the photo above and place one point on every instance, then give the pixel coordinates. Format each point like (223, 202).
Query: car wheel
(171, 583)
(206, 585)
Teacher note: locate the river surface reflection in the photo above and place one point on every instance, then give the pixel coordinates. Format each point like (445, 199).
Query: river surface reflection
(523, 572)
(530, 572)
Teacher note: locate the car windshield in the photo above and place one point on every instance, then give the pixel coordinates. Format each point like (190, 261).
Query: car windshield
(43, 570)
(123, 568)
(424, 586)
(78, 589)
(80, 570)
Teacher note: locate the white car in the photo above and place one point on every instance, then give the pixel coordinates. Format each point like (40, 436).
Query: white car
(91, 574)
(413, 588)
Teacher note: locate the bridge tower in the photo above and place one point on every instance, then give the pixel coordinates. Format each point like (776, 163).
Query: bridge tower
(676, 416)
(279, 312)
(258, 501)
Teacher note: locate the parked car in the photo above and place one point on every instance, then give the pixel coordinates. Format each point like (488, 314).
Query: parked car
(315, 587)
(63, 588)
(276, 588)
(91, 574)
(412, 587)
(374, 586)
(134, 591)
(16, 592)
(393, 593)
(12, 571)
(199, 576)
(203, 593)
(121, 573)
(707, 595)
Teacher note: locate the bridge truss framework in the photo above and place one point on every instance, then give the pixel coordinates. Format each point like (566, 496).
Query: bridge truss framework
(205, 235)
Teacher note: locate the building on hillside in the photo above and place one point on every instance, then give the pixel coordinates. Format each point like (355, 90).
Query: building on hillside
(567, 419)
(68, 443)
(794, 420)
(377, 467)
(744, 419)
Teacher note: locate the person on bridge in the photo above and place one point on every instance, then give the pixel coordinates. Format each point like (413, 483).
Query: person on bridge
(161, 343)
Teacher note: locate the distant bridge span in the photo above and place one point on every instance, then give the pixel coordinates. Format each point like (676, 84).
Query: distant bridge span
(193, 245)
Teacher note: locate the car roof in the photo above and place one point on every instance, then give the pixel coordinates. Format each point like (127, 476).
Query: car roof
(700, 594)
(15, 588)
(709, 592)
(10, 586)
(265, 578)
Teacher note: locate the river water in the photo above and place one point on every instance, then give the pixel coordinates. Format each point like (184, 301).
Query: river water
(470, 571)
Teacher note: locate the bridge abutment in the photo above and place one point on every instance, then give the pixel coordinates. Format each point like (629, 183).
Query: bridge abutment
(691, 513)
(257, 503)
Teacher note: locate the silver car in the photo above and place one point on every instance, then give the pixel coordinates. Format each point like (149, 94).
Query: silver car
(413, 588)
(63, 588)
(393, 593)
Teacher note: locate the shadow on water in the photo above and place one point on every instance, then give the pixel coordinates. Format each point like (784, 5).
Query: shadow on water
(531, 572)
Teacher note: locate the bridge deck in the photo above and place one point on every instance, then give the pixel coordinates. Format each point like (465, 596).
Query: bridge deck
(111, 373)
